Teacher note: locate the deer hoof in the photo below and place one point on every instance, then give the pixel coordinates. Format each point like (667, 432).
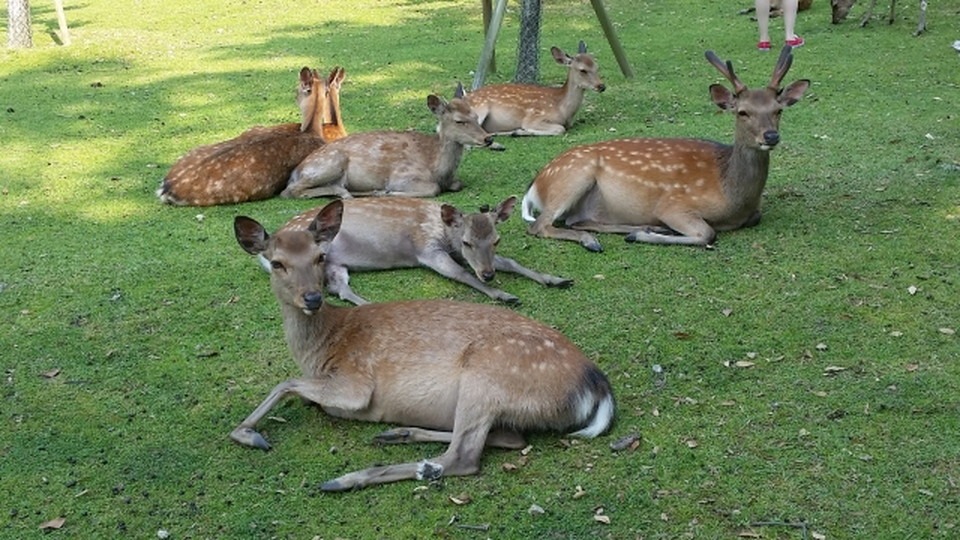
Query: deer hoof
(561, 283)
(593, 245)
(249, 437)
(333, 486)
(510, 300)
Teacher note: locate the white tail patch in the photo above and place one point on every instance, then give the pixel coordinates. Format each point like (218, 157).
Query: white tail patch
(530, 204)
(602, 415)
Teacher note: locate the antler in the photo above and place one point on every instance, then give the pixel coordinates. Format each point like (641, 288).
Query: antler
(727, 71)
(783, 65)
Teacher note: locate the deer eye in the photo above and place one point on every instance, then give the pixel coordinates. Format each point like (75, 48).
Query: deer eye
(277, 265)
(467, 244)
(743, 114)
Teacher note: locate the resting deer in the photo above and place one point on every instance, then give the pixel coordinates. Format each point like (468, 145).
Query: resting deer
(667, 191)
(465, 374)
(393, 163)
(402, 232)
(256, 164)
(529, 109)
(840, 9)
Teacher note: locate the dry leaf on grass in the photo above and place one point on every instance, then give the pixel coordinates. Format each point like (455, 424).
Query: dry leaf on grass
(601, 518)
(461, 499)
(631, 442)
(579, 492)
(53, 524)
(946, 331)
(51, 374)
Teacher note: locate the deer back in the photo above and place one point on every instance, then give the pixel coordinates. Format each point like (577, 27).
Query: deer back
(254, 165)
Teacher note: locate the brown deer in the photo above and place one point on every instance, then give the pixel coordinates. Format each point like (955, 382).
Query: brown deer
(840, 9)
(466, 374)
(529, 109)
(333, 127)
(403, 232)
(256, 164)
(667, 191)
(394, 163)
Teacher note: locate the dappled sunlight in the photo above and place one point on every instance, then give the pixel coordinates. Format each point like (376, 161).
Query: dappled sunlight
(954, 215)
(110, 211)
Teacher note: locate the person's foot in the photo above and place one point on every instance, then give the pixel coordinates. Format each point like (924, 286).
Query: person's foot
(797, 41)
(763, 46)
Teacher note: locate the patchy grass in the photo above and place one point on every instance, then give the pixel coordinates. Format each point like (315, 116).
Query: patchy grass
(810, 364)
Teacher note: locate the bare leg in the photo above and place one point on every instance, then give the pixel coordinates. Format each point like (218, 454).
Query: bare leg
(789, 10)
(763, 18)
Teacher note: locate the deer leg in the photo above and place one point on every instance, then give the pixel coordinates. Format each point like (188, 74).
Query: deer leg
(412, 187)
(342, 394)
(338, 282)
(500, 438)
(505, 264)
(868, 14)
(539, 127)
(320, 176)
(684, 230)
(441, 263)
(461, 458)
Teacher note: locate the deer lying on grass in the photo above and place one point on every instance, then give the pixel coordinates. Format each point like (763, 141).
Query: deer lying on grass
(402, 232)
(529, 109)
(667, 191)
(256, 164)
(841, 8)
(392, 162)
(465, 374)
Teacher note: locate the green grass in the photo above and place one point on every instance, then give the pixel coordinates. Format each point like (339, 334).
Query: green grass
(166, 335)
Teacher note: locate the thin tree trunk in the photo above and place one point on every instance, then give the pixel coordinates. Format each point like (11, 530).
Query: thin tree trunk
(19, 34)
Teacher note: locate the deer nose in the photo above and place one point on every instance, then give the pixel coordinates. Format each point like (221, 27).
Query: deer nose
(601, 87)
(488, 275)
(771, 137)
(312, 300)
(488, 140)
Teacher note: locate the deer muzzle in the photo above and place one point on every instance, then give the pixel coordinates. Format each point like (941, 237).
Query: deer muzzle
(771, 138)
(600, 87)
(312, 300)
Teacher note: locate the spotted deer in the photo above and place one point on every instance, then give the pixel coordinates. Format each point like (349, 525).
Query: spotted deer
(395, 163)
(840, 9)
(529, 109)
(469, 375)
(403, 232)
(667, 191)
(256, 164)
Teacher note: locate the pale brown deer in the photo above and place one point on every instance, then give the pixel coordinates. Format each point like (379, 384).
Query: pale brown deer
(667, 191)
(403, 232)
(840, 9)
(333, 127)
(529, 109)
(394, 163)
(466, 374)
(254, 165)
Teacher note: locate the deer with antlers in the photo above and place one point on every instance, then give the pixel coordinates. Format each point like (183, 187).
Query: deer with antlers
(465, 374)
(394, 163)
(667, 191)
(529, 109)
(840, 9)
(256, 164)
(402, 232)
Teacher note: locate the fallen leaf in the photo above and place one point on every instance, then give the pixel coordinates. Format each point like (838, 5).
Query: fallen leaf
(599, 277)
(728, 403)
(821, 346)
(947, 331)
(912, 367)
(819, 393)
(601, 518)
(579, 492)
(744, 364)
(526, 450)
(628, 441)
(509, 467)
(817, 536)
(536, 509)
(51, 374)
(53, 524)
(749, 534)
(912, 290)
(681, 335)
(461, 499)
(896, 333)
(830, 370)
(727, 312)
(692, 443)
(752, 355)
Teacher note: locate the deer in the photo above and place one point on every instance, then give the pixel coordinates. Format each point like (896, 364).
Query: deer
(529, 109)
(256, 164)
(465, 374)
(405, 232)
(333, 127)
(667, 191)
(840, 9)
(394, 163)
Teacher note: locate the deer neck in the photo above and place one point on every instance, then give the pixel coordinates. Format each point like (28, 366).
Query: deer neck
(308, 336)
(445, 163)
(571, 97)
(744, 174)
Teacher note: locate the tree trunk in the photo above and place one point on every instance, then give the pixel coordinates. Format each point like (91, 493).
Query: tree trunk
(19, 33)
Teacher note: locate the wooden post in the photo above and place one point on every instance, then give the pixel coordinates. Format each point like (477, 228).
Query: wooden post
(62, 20)
(611, 35)
(487, 13)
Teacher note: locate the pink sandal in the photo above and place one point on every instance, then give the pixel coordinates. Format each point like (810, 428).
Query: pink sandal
(763, 46)
(795, 42)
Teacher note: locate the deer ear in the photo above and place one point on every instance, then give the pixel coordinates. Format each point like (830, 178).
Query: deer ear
(505, 208)
(792, 94)
(436, 104)
(459, 92)
(560, 56)
(305, 76)
(327, 223)
(450, 216)
(250, 235)
(582, 47)
(722, 97)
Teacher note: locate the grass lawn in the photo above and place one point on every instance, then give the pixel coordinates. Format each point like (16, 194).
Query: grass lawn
(810, 383)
